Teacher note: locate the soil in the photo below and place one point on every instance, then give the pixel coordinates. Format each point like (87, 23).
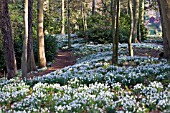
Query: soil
(146, 52)
(63, 58)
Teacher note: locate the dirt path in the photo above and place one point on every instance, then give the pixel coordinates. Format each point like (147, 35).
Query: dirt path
(66, 58)
(63, 58)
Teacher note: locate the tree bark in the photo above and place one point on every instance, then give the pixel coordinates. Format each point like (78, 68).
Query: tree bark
(93, 7)
(62, 18)
(83, 14)
(31, 60)
(164, 6)
(85, 17)
(69, 35)
(131, 29)
(25, 42)
(7, 40)
(136, 18)
(141, 20)
(41, 47)
(115, 30)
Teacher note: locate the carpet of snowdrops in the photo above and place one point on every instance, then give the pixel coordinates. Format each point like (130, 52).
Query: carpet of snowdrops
(93, 85)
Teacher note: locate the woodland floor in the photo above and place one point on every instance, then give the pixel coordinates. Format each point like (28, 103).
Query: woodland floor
(63, 58)
(66, 58)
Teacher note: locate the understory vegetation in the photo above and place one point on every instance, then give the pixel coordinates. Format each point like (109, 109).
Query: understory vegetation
(138, 84)
(93, 84)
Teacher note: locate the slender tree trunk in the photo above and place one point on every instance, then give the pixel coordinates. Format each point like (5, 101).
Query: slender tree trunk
(83, 14)
(7, 40)
(31, 61)
(25, 42)
(164, 6)
(141, 20)
(93, 7)
(41, 47)
(62, 18)
(117, 34)
(136, 18)
(115, 30)
(85, 17)
(131, 28)
(68, 15)
(141, 16)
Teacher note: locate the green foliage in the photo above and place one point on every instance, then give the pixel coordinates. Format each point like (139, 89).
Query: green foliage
(144, 32)
(18, 50)
(50, 23)
(99, 29)
(50, 48)
(124, 28)
(16, 15)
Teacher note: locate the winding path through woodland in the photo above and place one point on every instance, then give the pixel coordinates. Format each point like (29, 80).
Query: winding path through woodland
(63, 58)
(66, 58)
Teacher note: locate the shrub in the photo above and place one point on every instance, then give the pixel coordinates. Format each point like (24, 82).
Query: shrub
(99, 29)
(17, 24)
(50, 48)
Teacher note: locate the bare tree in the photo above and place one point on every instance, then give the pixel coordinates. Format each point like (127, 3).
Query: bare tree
(131, 28)
(31, 60)
(164, 6)
(93, 7)
(136, 18)
(83, 14)
(25, 42)
(115, 29)
(62, 18)
(41, 47)
(68, 16)
(7, 40)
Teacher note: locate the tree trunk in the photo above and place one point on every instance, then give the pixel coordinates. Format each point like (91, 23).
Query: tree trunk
(115, 30)
(7, 40)
(31, 61)
(164, 6)
(136, 18)
(93, 7)
(68, 15)
(141, 16)
(131, 29)
(25, 42)
(85, 17)
(41, 48)
(83, 14)
(63, 18)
